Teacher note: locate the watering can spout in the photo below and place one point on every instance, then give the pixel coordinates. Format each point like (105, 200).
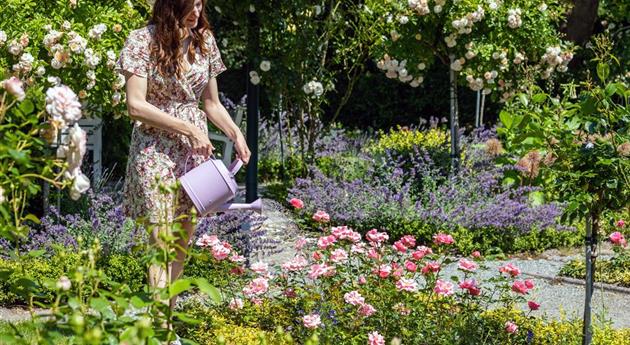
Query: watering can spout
(254, 206)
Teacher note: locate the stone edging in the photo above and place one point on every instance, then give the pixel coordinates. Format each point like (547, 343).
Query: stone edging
(581, 282)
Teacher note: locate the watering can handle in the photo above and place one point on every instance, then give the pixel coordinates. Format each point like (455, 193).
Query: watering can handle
(235, 166)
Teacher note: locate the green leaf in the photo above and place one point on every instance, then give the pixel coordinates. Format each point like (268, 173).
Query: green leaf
(523, 98)
(138, 302)
(539, 98)
(208, 289)
(36, 253)
(73, 303)
(537, 198)
(602, 71)
(27, 106)
(32, 218)
(179, 286)
(506, 119)
(187, 319)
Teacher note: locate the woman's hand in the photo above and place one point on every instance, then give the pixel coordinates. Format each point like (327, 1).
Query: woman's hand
(200, 142)
(242, 151)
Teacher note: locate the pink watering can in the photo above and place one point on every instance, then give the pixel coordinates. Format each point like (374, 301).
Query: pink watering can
(211, 185)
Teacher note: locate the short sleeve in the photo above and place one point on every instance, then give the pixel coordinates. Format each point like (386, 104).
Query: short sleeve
(135, 54)
(216, 64)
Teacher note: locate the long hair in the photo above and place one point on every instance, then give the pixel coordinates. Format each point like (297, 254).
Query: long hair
(168, 18)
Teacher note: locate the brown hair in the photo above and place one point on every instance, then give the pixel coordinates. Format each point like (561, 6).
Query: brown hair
(168, 17)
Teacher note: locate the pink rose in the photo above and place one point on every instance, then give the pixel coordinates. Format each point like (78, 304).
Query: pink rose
(326, 241)
(409, 241)
(321, 217)
(298, 263)
(256, 287)
(207, 241)
(14, 86)
(358, 248)
(476, 254)
(443, 288)
(317, 256)
(397, 270)
(366, 309)
(533, 305)
(299, 244)
(471, 286)
(384, 271)
(421, 252)
(236, 303)
(373, 254)
(618, 239)
(400, 247)
(220, 251)
(406, 285)
(510, 269)
(529, 283)
(519, 287)
(297, 203)
(375, 338)
(467, 265)
(441, 238)
(362, 280)
(511, 327)
(376, 237)
(620, 223)
(311, 321)
(317, 271)
(410, 266)
(236, 258)
(237, 271)
(431, 267)
(339, 256)
(260, 267)
(353, 298)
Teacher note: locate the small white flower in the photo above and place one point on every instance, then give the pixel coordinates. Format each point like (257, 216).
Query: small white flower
(394, 35)
(403, 20)
(437, 9)
(90, 74)
(252, 8)
(456, 65)
(97, 31)
(14, 86)
(542, 7)
(265, 66)
(15, 48)
(40, 71)
(422, 66)
(116, 98)
(91, 59)
(3, 37)
(66, 25)
(217, 8)
(254, 78)
(80, 185)
(54, 80)
(64, 283)
(62, 103)
(514, 18)
(76, 43)
(470, 54)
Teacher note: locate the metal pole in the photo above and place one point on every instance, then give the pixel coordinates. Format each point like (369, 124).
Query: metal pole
(477, 122)
(454, 119)
(282, 171)
(483, 103)
(253, 92)
(587, 332)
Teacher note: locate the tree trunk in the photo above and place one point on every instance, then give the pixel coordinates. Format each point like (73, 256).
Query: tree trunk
(582, 20)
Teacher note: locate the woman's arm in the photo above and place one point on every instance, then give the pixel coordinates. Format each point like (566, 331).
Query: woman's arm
(141, 110)
(219, 116)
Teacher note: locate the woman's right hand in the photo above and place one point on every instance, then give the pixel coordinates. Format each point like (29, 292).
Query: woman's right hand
(200, 142)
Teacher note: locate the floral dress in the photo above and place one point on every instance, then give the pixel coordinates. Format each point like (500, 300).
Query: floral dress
(155, 154)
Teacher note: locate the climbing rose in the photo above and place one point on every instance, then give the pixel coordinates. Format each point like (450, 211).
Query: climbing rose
(421, 252)
(410, 266)
(406, 285)
(366, 309)
(471, 286)
(297, 203)
(443, 239)
(375, 338)
(620, 223)
(62, 104)
(511, 327)
(236, 303)
(519, 286)
(14, 86)
(256, 287)
(311, 321)
(354, 298)
(431, 267)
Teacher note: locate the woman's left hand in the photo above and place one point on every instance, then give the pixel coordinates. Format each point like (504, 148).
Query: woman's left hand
(242, 151)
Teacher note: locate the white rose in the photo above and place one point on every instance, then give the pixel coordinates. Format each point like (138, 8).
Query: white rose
(64, 283)
(421, 66)
(542, 7)
(15, 48)
(3, 37)
(40, 71)
(255, 79)
(62, 103)
(403, 20)
(54, 80)
(78, 139)
(66, 25)
(265, 66)
(116, 98)
(80, 185)
(14, 86)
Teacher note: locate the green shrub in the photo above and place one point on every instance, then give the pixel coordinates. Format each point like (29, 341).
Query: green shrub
(125, 269)
(606, 271)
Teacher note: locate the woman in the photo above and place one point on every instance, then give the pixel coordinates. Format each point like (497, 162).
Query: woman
(170, 65)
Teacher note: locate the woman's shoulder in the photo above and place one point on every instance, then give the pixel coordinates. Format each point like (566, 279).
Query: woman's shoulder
(144, 33)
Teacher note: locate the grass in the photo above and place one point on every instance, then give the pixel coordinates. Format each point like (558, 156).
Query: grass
(26, 332)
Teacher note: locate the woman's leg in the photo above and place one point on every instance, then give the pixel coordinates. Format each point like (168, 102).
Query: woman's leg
(158, 274)
(182, 248)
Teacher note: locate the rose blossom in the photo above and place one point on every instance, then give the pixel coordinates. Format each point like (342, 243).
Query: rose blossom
(476, 254)
(220, 251)
(354, 298)
(13, 85)
(519, 287)
(299, 244)
(297, 203)
(376, 237)
(321, 216)
(373, 254)
(236, 258)
(409, 241)
(529, 283)
(296, 264)
(366, 309)
(362, 280)
(318, 270)
(431, 267)
(64, 283)
(260, 267)
(467, 265)
(421, 252)
(207, 241)
(511, 327)
(471, 286)
(62, 103)
(311, 321)
(400, 247)
(326, 241)
(533, 305)
(256, 287)
(443, 288)
(620, 223)
(317, 255)
(617, 238)
(510, 269)
(343, 233)
(410, 266)
(406, 285)
(384, 271)
(375, 338)
(443, 239)
(80, 185)
(339, 256)
(236, 303)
